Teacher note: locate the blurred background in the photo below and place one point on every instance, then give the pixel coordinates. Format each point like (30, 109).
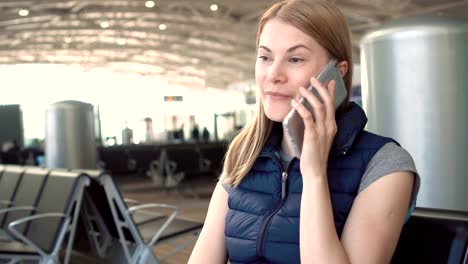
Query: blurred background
(124, 57)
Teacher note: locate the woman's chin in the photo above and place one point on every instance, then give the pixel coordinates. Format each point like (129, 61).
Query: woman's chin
(276, 117)
(276, 112)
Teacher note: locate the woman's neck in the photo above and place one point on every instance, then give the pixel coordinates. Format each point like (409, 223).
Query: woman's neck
(285, 148)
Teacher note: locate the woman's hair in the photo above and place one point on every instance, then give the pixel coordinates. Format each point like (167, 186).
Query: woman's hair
(325, 23)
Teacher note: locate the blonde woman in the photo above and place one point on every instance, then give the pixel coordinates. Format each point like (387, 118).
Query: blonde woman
(346, 199)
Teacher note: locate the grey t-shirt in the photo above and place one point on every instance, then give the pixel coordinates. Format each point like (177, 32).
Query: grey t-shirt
(388, 159)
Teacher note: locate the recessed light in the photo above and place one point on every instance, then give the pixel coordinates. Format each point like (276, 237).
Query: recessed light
(23, 12)
(105, 24)
(162, 27)
(121, 41)
(149, 4)
(67, 40)
(214, 7)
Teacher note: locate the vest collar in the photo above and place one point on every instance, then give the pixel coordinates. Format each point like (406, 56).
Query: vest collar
(349, 125)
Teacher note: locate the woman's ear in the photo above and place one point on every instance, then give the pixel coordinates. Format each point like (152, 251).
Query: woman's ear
(343, 66)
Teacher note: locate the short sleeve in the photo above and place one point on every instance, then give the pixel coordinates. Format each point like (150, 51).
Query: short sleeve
(390, 158)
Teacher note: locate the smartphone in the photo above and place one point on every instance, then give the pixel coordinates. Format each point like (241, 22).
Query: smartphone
(293, 123)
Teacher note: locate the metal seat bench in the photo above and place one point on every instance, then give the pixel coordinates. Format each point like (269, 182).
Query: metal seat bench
(40, 236)
(123, 234)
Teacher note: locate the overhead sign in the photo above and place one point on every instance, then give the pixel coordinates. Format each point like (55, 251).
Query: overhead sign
(178, 98)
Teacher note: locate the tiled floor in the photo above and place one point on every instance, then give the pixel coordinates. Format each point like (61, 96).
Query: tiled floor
(192, 199)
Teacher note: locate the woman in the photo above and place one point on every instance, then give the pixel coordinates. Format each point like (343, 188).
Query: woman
(346, 199)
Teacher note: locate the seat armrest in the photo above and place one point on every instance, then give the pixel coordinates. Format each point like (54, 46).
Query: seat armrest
(205, 164)
(13, 209)
(129, 201)
(441, 215)
(18, 208)
(28, 242)
(4, 202)
(152, 205)
(166, 223)
(155, 165)
(171, 167)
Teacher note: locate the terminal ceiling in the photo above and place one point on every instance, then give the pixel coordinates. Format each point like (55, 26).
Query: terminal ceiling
(182, 41)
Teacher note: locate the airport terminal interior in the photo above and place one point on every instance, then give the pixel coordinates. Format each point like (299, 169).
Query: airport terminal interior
(116, 116)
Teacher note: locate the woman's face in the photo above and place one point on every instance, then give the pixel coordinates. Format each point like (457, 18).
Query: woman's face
(286, 59)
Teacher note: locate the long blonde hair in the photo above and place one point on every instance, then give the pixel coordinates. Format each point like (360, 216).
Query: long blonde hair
(324, 22)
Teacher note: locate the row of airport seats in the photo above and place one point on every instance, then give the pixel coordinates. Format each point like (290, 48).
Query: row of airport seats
(434, 236)
(166, 164)
(43, 210)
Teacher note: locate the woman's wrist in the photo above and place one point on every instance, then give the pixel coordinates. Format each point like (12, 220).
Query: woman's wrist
(314, 179)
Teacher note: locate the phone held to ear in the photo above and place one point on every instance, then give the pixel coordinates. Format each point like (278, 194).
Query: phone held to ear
(293, 123)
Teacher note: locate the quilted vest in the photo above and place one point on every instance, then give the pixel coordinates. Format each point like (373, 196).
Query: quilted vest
(262, 224)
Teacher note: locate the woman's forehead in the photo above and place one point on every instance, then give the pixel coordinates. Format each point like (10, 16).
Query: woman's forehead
(280, 34)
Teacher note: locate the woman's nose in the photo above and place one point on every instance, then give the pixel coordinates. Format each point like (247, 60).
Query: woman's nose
(276, 73)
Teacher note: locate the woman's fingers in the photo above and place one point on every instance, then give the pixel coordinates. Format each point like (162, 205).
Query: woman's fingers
(328, 97)
(306, 115)
(317, 106)
(323, 116)
(324, 92)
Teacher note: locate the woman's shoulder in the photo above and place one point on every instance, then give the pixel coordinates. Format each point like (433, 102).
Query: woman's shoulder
(368, 144)
(395, 151)
(390, 158)
(367, 139)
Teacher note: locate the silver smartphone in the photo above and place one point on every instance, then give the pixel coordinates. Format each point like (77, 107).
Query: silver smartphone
(293, 123)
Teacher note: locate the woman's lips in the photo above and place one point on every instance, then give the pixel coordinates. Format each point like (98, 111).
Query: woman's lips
(277, 96)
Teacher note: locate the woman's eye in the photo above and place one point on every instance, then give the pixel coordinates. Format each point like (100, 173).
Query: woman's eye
(296, 60)
(263, 58)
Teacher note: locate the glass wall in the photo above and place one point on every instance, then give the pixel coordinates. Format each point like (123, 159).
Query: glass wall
(122, 99)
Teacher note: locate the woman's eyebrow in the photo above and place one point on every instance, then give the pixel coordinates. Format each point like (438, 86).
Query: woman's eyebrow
(289, 50)
(265, 48)
(298, 46)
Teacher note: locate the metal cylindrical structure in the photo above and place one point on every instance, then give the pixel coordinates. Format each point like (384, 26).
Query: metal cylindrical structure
(70, 136)
(415, 89)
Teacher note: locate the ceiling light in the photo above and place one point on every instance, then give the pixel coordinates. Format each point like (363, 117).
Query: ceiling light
(121, 41)
(23, 12)
(162, 27)
(214, 7)
(105, 24)
(149, 4)
(67, 40)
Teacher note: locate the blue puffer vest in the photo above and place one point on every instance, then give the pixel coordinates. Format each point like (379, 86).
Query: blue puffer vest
(262, 224)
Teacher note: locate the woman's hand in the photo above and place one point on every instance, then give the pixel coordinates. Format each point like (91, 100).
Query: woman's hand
(320, 129)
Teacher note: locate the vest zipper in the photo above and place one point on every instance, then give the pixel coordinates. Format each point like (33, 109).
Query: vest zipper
(266, 224)
(284, 177)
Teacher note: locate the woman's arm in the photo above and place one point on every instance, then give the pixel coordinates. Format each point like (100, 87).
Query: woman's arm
(211, 244)
(374, 224)
(371, 231)
(319, 242)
